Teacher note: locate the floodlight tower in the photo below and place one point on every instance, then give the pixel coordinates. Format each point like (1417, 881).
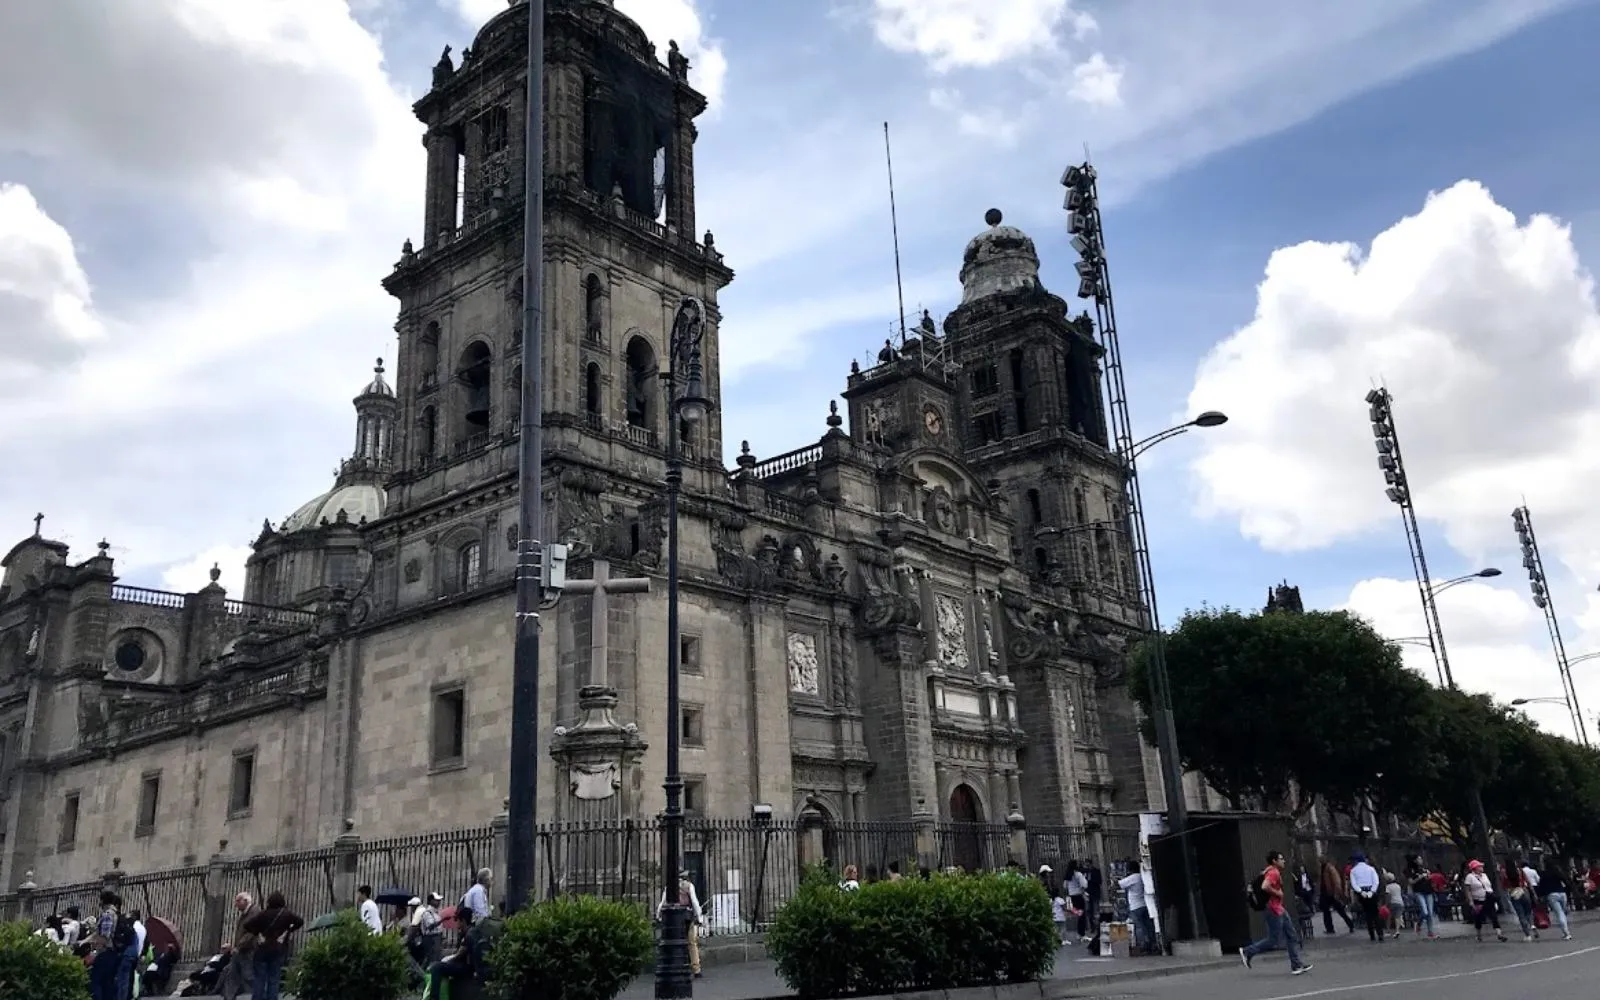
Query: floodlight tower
(1380, 410)
(1084, 223)
(1534, 564)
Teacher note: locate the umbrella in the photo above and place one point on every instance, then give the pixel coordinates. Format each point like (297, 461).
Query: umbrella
(161, 935)
(322, 923)
(393, 897)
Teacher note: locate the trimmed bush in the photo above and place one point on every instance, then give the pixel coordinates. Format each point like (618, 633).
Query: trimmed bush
(575, 948)
(349, 962)
(948, 932)
(33, 967)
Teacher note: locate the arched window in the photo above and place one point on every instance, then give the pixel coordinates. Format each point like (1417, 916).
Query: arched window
(591, 388)
(514, 398)
(1080, 507)
(427, 434)
(643, 376)
(472, 391)
(428, 353)
(1035, 507)
(1019, 390)
(593, 303)
(469, 566)
(1041, 559)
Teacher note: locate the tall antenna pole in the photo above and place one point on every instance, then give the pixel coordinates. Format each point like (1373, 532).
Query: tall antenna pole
(894, 224)
(1534, 564)
(524, 792)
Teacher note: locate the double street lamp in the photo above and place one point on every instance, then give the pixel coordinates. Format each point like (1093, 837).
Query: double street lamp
(686, 406)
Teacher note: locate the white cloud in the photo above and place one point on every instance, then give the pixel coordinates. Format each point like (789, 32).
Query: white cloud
(988, 123)
(955, 34)
(228, 560)
(476, 12)
(1096, 82)
(1486, 332)
(45, 306)
(268, 134)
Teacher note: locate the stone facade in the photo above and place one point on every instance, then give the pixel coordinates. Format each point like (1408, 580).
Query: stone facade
(924, 614)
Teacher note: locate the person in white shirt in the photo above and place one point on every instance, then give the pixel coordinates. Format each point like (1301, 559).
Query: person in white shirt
(367, 908)
(71, 928)
(477, 897)
(1144, 929)
(1481, 899)
(1522, 886)
(1365, 884)
(1077, 890)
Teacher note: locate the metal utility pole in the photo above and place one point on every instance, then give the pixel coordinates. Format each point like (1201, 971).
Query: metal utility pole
(1094, 282)
(524, 792)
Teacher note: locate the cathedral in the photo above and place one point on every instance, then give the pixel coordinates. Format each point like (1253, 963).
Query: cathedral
(923, 611)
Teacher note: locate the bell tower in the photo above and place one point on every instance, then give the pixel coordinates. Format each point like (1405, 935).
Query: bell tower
(620, 253)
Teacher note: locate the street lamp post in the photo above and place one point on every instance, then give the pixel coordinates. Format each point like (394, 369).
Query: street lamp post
(1191, 917)
(674, 979)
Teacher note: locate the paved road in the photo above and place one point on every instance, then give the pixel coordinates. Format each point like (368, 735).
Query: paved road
(1415, 970)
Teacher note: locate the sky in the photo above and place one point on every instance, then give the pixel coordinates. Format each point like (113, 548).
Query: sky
(1303, 200)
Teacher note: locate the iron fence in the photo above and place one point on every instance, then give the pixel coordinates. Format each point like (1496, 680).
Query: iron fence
(446, 862)
(972, 847)
(874, 848)
(177, 897)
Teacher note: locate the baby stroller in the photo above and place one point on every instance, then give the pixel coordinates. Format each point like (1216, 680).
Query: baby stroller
(203, 981)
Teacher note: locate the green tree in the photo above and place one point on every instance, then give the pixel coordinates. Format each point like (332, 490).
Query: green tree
(1310, 705)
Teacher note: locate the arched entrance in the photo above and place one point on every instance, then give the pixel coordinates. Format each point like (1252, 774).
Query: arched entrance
(964, 846)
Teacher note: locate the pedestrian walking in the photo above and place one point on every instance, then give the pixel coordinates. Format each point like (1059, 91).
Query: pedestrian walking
(477, 897)
(1281, 932)
(367, 908)
(1330, 894)
(689, 898)
(1421, 880)
(1522, 882)
(1553, 884)
(1481, 899)
(1077, 889)
(1395, 897)
(1365, 885)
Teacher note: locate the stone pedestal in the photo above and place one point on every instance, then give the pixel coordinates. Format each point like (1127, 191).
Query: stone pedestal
(597, 763)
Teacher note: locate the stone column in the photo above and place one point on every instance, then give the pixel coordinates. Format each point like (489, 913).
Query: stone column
(25, 892)
(500, 828)
(1019, 835)
(811, 841)
(924, 822)
(439, 217)
(346, 853)
(564, 114)
(680, 160)
(215, 916)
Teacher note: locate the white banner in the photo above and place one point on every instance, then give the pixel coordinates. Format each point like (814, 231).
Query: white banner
(1150, 825)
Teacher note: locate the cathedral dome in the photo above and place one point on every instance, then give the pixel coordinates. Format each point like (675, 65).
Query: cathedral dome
(359, 502)
(999, 259)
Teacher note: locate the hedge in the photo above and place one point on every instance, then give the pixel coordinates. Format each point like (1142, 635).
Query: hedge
(570, 948)
(35, 968)
(946, 932)
(348, 962)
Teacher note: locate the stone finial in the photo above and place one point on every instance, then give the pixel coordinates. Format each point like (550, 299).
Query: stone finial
(116, 864)
(993, 217)
(349, 824)
(222, 846)
(216, 572)
(104, 547)
(38, 524)
(834, 420)
(27, 882)
(745, 461)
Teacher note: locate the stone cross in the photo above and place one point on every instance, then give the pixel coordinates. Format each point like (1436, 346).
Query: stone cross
(599, 587)
(38, 522)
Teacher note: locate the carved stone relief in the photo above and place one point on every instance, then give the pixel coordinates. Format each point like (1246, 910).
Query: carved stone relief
(952, 615)
(413, 570)
(804, 671)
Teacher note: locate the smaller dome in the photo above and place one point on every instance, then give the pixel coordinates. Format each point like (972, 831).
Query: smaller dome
(359, 501)
(999, 259)
(379, 386)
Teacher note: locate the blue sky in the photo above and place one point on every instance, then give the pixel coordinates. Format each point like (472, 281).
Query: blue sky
(194, 228)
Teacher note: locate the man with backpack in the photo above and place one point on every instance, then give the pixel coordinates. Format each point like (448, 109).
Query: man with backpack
(1266, 896)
